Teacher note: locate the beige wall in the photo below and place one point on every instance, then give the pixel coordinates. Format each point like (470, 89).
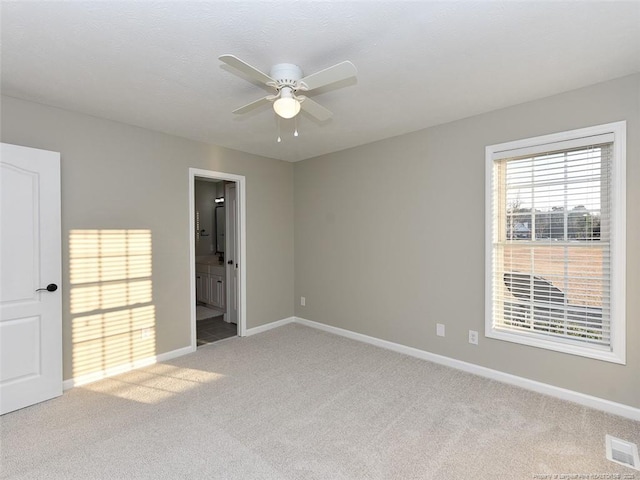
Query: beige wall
(389, 238)
(119, 177)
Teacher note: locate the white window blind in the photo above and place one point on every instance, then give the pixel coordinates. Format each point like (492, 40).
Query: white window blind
(551, 243)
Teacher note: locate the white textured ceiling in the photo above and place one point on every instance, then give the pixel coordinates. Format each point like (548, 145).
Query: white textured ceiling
(154, 64)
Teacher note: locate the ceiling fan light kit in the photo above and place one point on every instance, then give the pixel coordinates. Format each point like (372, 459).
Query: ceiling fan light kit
(287, 106)
(287, 80)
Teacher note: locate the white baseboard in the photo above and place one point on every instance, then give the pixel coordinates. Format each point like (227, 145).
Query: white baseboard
(127, 367)
(544, 388)
(268, 326)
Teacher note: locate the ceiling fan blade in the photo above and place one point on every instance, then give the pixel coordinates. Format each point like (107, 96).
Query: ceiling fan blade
(250, 106)
(338, 72)
(315, 109)
(245, 68)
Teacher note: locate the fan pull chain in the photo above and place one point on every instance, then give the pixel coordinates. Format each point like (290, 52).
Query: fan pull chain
(295, 130)
(278, 122)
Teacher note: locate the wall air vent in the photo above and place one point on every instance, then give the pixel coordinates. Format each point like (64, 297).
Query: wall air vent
(622, 452)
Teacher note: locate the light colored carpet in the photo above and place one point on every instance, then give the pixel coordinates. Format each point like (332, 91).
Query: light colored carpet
(297, 403)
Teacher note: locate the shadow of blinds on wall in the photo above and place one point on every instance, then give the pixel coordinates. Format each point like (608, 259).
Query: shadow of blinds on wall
(113, 317)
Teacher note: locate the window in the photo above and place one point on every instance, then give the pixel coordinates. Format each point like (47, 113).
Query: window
(555, 242)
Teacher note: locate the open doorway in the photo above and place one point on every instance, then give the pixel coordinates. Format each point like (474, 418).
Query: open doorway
(217, 226)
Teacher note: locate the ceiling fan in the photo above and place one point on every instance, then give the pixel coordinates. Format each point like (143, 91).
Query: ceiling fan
(287, 80)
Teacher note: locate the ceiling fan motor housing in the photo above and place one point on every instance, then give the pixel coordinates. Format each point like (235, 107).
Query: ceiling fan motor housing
(286, 74)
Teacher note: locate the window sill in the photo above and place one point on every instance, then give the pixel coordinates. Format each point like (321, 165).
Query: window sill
(539, 341)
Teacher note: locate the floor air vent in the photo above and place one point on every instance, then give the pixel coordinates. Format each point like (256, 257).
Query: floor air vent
(622, 452)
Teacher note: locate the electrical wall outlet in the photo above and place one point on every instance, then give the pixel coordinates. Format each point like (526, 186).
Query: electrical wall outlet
(303, 301)
(440, 329)
(473, 337)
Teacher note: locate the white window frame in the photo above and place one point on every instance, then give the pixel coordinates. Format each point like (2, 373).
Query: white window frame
(617, 351)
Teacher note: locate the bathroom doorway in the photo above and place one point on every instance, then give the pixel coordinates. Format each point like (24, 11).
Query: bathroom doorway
(217, 222)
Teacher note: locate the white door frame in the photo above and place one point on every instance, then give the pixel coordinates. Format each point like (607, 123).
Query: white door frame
(242, 244)
(231, 246)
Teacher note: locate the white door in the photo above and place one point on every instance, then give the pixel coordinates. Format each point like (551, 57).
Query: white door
(231, 252)
(30, 259)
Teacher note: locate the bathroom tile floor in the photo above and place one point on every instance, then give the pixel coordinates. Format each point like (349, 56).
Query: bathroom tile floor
(213, 329)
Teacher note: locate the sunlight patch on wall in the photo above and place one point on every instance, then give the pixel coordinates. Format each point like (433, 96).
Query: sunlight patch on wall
(110, 295)
(113, 319)
(154, 384)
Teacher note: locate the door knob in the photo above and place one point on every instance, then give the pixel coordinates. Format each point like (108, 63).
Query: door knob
(52, 287)
(230, 262)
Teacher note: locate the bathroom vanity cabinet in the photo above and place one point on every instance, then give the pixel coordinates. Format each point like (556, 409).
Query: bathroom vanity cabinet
(210, 285)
